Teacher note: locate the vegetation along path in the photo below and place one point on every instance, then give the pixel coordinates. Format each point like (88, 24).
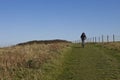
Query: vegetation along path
(90, 63)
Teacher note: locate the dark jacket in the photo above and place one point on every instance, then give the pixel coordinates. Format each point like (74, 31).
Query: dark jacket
(83, 36)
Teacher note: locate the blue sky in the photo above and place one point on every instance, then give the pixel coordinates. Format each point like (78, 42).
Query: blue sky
(25, 20)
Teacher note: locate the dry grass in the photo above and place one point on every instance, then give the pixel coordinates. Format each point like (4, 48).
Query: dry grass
(25, 58)
(111, 45)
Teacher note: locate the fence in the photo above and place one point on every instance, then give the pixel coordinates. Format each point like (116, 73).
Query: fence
(101, 39)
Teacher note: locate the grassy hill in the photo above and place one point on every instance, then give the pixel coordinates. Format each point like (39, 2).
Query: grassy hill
(24, 60)
(44, 42)
(60, 60)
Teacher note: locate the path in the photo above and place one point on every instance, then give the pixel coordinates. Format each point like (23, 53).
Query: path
(90, 63)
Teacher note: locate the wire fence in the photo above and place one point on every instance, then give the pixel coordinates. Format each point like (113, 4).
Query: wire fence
(101, 39)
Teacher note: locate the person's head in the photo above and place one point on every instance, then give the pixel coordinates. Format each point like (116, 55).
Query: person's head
(83, 33)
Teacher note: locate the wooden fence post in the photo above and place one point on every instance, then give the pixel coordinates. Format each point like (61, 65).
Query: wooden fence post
(113, 38)
(95, 40)
(107, 38)
(99, 39)
(102, 39)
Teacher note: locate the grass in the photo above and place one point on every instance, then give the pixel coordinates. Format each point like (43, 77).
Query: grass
(90, 63)
(112, 45)
(60, 61)
(24, 62)
(55, 67)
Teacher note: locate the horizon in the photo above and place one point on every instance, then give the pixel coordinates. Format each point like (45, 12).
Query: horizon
(28, 20)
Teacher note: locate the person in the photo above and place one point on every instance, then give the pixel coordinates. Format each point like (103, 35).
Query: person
(83, 38)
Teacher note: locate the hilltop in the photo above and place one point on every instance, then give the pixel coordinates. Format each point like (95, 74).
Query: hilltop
(43, 42)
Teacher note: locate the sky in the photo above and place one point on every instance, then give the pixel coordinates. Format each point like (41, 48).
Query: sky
(26, 20)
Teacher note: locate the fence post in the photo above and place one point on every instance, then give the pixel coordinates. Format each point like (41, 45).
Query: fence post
(99, 39)
(102, 39)
(87, 40)
(95, 40)
(107, 38)
(113, 38)
(91, 40)
(77, 41)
